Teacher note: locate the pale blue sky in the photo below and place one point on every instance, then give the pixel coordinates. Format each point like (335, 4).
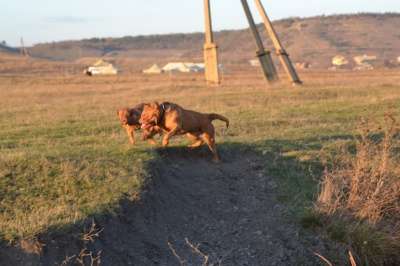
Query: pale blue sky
(53, 20)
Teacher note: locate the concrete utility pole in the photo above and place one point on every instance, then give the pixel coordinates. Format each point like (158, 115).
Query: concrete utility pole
(23, 50)
(210, 48)
(267, 65)
(283, 55)
(263, 55)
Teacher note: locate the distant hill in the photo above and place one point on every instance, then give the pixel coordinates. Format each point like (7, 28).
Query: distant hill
(314, 40)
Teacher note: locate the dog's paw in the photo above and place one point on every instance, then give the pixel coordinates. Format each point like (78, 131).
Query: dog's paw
(152, 142)
(165, 143)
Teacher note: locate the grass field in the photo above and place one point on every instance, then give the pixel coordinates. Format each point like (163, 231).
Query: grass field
(63, 156)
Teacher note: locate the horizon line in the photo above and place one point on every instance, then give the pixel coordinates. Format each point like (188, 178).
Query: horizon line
(216, 31)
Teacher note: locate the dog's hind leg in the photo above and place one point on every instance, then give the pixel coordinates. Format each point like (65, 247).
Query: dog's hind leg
(196, 140)
(209, 139)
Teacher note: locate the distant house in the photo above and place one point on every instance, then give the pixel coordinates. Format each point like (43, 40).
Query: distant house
(184, 67)
(101, 67)
(364, 59)
(339, 61)
(154, 69)
(364, 62)
(254, 62)
(303, 65)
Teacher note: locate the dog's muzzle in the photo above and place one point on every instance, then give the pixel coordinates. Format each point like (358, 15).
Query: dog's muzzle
(146, 126)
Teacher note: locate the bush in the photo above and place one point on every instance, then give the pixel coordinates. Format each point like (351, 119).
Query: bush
(363, 188)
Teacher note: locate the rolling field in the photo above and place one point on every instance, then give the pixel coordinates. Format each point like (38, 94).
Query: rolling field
(64, 158)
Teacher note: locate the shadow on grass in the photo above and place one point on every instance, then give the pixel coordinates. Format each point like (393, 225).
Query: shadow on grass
(179, 202)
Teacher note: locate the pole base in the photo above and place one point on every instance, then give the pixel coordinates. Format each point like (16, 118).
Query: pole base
(211, 64)
(267, 65)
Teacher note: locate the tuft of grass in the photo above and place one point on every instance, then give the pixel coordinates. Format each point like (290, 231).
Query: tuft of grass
(361, 191)
(373, 246)
(337, 231)
(311, 219)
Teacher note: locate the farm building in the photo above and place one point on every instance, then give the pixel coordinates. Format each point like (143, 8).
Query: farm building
(303, 65)
(183, 67)
(339, 61)
(254, 62)
(364, 62)
(154, 69)
(364, 59)
(101, 67)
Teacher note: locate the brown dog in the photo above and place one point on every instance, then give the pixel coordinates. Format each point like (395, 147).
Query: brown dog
(129, 118)
(175, 120)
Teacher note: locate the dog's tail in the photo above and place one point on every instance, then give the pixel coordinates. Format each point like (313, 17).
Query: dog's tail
(213, 117)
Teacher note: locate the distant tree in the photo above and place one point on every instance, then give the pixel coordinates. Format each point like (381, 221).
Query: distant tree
(4, 43)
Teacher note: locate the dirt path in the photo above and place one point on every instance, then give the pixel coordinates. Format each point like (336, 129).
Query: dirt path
(229, 209)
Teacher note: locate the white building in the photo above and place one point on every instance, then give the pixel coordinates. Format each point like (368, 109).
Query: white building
(184, 67)
(339, 61)
(154, 69)
(101, 68)
(364, 59)
(254, 62)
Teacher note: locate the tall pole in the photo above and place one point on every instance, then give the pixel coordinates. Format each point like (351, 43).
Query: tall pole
(23, 50)
(210, 48)
(208, 22)
(264, 56)
(283, 55)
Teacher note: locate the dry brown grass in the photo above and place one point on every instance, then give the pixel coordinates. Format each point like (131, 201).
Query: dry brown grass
(366, 187)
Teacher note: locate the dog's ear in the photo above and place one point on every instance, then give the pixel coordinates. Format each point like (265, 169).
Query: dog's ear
(155, 105)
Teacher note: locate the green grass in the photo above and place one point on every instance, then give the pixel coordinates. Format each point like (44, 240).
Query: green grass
(64, 157)
(58, 174)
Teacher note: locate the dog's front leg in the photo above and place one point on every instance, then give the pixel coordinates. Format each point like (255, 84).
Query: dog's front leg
(169, 134)
(131, 134)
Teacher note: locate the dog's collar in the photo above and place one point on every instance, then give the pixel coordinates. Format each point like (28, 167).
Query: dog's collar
(163, 108)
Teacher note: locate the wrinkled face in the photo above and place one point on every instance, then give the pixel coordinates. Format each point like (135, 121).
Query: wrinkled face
(128, 116)
(150, 115)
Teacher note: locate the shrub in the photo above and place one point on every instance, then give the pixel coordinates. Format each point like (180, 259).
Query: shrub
(363, 188)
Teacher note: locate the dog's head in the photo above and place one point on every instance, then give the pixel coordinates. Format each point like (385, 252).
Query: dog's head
(151, 115)
(128, 116)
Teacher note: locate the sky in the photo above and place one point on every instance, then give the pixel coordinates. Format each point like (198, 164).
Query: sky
(54, 20)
